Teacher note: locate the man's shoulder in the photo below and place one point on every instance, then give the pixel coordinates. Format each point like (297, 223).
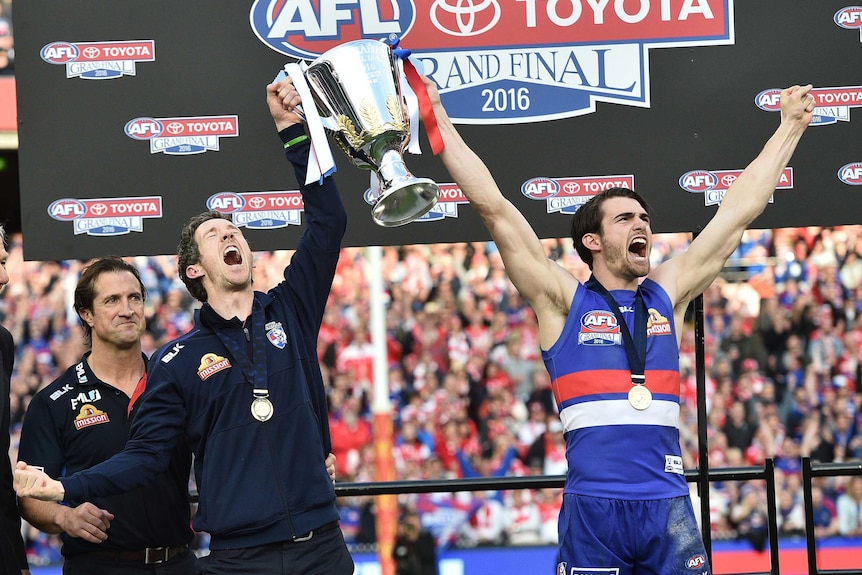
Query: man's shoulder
(66, 382)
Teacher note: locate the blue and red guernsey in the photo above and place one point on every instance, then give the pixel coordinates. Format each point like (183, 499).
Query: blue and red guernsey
(614, 450)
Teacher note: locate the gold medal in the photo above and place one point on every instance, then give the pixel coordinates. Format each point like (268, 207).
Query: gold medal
(640, 397)
(261, 409)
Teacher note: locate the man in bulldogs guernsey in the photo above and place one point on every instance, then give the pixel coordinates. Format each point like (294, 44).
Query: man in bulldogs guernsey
(83, 418)
(611, 349)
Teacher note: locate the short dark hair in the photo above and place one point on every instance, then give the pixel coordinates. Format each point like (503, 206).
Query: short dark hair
(588, 218)
(85, 291)
(188, 252)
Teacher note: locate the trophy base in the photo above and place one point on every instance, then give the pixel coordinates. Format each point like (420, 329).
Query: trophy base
(405, 202)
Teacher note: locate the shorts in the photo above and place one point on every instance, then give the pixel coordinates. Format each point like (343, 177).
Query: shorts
(629, 537)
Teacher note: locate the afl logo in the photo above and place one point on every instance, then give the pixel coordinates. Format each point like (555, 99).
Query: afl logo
(769, 100)
(143, 128)
(696, 562)
(540, 188)
(226, 202)
(849, 17)
(851, 174)
(59, 53)
(66, 210)
(599, 320)
(698, 181)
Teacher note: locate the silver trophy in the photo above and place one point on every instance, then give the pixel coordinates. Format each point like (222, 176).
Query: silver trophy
(357, 92)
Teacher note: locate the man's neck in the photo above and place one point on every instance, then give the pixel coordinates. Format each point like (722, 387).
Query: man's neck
(234, 304)
(119, 367)
(611, 281)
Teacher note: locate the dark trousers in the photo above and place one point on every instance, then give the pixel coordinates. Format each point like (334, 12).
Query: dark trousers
(324, 554)
(93, 564)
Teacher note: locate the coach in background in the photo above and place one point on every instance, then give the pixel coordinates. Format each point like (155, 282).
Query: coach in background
(83, 418)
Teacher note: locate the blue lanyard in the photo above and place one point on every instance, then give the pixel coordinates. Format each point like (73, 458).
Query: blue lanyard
(635, 348)
(254, 371)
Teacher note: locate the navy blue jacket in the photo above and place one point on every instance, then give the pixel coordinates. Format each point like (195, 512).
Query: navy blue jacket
(259, 482)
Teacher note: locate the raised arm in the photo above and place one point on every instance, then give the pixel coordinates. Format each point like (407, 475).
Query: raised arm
(548, 287)
(686, 276)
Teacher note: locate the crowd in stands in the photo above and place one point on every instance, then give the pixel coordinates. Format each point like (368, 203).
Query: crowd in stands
(7, 39)
(471, 397)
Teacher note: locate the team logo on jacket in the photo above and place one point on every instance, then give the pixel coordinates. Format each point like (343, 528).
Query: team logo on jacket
(599, 327)
(276, 334)
(90, 415)
(212, 363)
(657, 324)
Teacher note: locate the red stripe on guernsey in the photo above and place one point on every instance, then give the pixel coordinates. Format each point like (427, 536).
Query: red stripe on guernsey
(139, 390)
(601, 383)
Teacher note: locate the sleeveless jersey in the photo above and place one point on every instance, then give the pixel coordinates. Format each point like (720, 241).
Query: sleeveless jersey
(614, 450)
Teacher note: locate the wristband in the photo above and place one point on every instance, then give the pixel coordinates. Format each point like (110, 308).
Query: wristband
(295, 141)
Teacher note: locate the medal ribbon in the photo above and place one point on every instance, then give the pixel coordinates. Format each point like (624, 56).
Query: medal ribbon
(253, 369)
(635, 348)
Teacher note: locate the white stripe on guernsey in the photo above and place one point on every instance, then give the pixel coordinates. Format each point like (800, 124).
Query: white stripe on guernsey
(619, 412)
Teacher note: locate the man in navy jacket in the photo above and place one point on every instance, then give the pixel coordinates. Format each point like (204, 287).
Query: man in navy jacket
(13, 559)
(244, 386)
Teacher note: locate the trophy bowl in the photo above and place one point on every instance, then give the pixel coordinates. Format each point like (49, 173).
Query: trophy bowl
(357, 92)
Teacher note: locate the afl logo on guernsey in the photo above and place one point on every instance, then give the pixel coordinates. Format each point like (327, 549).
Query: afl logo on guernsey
(599, 327)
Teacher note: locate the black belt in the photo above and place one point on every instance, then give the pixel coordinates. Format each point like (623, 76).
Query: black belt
(148, 556)
(319, 531)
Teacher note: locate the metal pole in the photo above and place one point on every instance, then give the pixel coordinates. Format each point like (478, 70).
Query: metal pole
(381, 408)
(702, 446)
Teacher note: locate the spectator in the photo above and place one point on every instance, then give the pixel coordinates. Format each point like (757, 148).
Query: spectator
(415, 551)
(849, 507)
(825, 514)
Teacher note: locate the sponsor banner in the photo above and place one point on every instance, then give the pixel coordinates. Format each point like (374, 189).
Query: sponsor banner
(106, 216)
(508, 62)
(713, 184)
(99, 60)
(183, 136)
(831, 104)
(259, 210)
(566, 195)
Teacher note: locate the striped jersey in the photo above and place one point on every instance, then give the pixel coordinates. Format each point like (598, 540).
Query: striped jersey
(614, 450)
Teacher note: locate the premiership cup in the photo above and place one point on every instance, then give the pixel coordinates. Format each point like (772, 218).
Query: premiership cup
(357, 92)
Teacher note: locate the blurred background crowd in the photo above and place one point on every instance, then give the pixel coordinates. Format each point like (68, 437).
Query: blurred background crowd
(471, 397)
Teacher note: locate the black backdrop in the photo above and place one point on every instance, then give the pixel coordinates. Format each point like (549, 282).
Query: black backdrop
(209, 62)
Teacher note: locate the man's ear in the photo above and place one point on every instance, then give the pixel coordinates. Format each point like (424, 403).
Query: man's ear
(86, 317)
(194, 271)
(591, 242)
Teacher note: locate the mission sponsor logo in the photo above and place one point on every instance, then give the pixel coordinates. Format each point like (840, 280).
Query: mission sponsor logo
(713, 184)
(259, 210)
(850, 18)
(106, 216)
(99, 60)
(566, 195)
(212, 363)
(183, 136)
(502, 62)
(832, 105)
(447, 204)
(657, 324)
(851, 174)
(599, 327)
(90, 415)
